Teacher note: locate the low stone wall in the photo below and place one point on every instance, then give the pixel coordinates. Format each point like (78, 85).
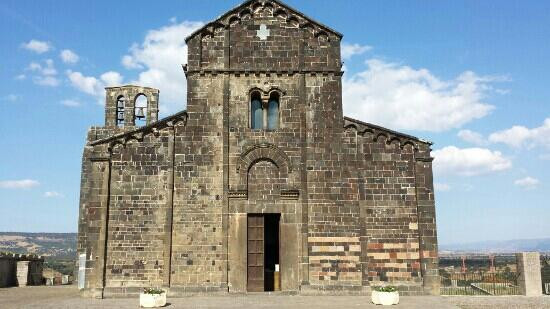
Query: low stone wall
(20, 270)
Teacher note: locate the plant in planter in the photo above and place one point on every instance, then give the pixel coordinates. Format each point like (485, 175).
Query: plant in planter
(152, 298)
(385, 295)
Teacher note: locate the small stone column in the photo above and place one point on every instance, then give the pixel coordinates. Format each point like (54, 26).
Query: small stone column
(529, 281)
(22, 273)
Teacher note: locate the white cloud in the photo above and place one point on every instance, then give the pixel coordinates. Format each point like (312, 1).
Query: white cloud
(71, 103)
(527, 182)
(86, 84)
(46, 81)
(544, 156)
(468, 161)
(52, 194)
(34, 66)
(404, 98)
(111, 78)
(68, 56)
(350, 50)
(47, 69)
(472, 137)
(18, 184)
(518, 136)
(129, 62)
(160, 56)
(45, 75)
(36, 46)
(20, 77)
(442, 187)
(11, 97)
(92, 85)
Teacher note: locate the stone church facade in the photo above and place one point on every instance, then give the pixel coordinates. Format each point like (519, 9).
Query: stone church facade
(261, 172)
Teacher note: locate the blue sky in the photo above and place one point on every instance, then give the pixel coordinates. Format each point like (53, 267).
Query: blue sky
(471, 76)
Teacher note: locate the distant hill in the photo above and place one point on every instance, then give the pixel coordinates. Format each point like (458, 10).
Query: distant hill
(63, 245)
(503, 246)
(54, 245)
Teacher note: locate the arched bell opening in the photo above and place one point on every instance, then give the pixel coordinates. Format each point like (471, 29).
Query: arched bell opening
(140, 110)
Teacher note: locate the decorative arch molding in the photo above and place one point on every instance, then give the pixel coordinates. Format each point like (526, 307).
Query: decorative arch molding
(264, 151)
(257, 153)
(266, 92)
(378, 134)
(275, 8)
(138, 135)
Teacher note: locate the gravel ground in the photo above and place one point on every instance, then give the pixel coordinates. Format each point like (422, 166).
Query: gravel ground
(508, 302)
(67, 297)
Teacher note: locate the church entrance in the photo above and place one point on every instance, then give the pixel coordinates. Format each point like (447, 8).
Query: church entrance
(263, 273)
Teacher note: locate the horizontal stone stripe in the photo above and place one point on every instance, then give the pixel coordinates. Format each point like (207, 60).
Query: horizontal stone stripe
(333, 254)
(332, 239)
(394, 255)
(327, 249)
(377, 246)
(335, 258)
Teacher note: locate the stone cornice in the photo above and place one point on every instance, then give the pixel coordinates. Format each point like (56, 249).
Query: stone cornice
(247, 72)
(377, 131)
(247, 10)
(139, 133)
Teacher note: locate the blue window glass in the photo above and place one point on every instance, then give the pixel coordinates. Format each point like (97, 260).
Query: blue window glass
(256, 114)
(273, 114)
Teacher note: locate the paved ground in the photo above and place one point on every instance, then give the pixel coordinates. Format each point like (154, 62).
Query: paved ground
(67, 297)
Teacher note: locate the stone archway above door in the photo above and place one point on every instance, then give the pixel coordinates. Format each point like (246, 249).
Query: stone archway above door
(263, 152)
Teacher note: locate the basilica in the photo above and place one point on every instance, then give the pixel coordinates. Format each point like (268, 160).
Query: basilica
(261, 184)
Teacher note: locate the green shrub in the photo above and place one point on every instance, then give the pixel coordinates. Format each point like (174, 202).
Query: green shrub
(388, 288)
(153, 291)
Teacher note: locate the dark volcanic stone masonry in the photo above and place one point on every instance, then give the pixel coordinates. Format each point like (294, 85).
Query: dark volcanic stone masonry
(166, 204)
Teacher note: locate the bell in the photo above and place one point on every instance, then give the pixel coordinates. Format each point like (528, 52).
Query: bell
(120, 103)
(139, 113)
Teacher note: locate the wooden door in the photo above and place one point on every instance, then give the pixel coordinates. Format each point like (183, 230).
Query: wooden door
(255, 262)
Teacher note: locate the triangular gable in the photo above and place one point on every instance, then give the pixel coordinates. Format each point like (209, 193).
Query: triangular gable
(279, 9)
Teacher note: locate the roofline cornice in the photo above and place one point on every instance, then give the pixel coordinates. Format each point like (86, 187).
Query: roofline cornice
(233, 11)
(365, 126)
(139, 132)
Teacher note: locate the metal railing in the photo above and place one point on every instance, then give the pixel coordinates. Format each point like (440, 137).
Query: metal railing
(480, 283)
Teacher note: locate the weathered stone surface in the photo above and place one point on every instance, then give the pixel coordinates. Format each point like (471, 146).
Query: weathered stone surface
(166, 204)
(530, 281)
(20, 269)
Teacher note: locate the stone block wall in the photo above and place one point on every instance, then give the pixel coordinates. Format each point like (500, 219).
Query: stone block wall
(198, 247)
(20, 270)
(392, 174)
(390, 211)
(137, 212)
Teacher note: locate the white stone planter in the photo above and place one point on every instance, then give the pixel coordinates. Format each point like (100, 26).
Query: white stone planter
(152, 300)
(385, 298)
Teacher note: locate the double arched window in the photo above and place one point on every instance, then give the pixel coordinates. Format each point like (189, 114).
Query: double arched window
(264, 114)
